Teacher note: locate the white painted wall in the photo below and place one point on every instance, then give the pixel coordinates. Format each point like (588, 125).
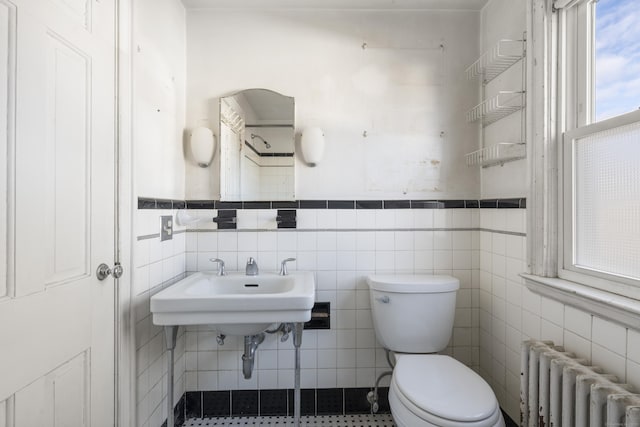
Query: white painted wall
(402, 90)
(504, 19)
(159, 75)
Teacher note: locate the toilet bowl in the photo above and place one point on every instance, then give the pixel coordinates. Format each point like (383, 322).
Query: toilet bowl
(436, 390)
(413, 317)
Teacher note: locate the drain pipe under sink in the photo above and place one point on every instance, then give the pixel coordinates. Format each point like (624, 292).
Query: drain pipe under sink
(251, 343)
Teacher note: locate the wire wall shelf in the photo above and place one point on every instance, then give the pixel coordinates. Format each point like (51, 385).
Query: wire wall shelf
(232, 119)
(496, 60)
(497, 154)
(494, 109)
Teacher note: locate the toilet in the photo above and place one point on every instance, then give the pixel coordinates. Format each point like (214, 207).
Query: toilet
(413, 317)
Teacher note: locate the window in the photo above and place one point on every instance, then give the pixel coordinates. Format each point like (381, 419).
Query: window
(599, 239)
(617, 57)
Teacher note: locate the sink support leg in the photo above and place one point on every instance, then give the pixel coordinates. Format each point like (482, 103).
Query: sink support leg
(170, 334)
(297, 342)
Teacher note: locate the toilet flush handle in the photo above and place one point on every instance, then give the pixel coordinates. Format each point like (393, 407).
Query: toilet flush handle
(383, 299)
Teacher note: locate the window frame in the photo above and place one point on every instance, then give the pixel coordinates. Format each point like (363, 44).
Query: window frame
(575, 118)
(566, 268)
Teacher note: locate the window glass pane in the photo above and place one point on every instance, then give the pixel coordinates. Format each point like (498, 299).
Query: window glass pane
(617, 57)
(607, 201)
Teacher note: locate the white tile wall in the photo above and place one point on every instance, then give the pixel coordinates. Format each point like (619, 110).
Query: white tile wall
(325, 242)
(158, 264)
(495, 311)
(510, 313)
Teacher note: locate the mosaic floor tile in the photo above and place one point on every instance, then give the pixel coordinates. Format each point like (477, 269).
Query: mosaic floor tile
(378, 420)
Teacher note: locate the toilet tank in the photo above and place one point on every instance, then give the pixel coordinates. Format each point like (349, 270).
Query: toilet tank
(413, 313)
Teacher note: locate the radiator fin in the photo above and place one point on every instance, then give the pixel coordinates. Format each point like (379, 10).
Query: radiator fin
(560, 390)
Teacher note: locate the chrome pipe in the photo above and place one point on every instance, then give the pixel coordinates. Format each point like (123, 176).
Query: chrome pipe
(251, 343)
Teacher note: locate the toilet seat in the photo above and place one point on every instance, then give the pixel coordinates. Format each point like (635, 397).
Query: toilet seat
(442, 391)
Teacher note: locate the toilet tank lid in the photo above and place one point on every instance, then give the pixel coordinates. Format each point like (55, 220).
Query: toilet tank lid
(413, 283)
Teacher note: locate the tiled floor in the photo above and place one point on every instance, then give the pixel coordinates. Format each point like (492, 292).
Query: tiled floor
(378, 420)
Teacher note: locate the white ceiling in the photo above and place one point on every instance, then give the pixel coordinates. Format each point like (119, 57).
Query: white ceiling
(337, 4)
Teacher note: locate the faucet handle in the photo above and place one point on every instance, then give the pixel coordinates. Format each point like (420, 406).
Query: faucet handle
(283, 266)
(220, 262)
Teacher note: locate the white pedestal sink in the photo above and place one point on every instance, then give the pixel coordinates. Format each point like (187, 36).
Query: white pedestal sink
(236, 304)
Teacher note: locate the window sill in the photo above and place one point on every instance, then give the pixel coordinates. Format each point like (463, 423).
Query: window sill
(604, 304)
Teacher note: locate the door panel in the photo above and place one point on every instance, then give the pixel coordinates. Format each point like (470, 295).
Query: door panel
(43, 330)
(57, 320)
(78, 11)
(58, 399)
(66, 182)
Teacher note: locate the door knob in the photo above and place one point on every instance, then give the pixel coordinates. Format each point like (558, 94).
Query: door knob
(104, 271)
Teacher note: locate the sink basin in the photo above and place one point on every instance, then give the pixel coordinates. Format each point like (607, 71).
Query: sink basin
(236, 304)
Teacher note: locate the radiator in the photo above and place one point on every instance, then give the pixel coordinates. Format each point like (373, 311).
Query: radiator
(560, 390)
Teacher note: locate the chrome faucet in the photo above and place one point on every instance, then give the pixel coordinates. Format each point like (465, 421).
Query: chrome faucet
(220, 262)
(283, 266)
(252, 267)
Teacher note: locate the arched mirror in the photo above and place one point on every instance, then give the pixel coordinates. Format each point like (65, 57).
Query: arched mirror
(257, 142)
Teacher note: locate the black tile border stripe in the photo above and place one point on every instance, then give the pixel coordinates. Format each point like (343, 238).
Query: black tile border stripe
(201, 204)
(369, 204)
(397, 204)
(284, 205)
(279, 402)
(256, 205)
(267, 154)
(228, 205)
(509, 203)
(145, 203)
(164, 204)
(312, 204)
(341, 204)
(490, 203)
(426, 204)
(454, 204)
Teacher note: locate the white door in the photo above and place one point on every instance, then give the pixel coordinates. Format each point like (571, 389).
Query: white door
(57, 138)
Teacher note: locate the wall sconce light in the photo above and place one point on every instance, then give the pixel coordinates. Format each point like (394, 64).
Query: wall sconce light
(202, 144)
(312, 145)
